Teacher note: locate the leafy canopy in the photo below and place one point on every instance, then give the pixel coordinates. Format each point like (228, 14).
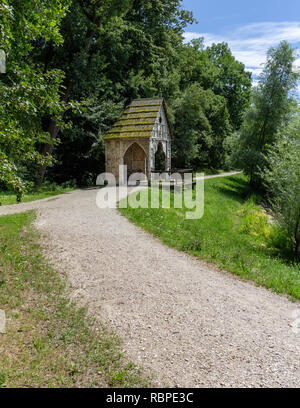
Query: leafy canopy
(270, 108)
(282, 179)
(27, 92)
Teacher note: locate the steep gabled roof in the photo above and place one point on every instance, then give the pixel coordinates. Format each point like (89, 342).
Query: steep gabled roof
(138, 119)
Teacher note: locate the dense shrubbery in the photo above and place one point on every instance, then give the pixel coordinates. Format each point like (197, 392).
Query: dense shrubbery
(282, 180)
(267, 145)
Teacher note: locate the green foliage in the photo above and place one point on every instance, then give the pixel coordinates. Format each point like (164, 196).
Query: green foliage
(27, 92)
(231, 81)
(73, 65)
(201, 124)
(282, 179)
(84, 158)
(271, 104)
(280, 240)
(2, 379)
(254, 221)
(216, 69)
(112, 52)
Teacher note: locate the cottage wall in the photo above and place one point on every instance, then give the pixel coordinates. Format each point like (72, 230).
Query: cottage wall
(115, 150)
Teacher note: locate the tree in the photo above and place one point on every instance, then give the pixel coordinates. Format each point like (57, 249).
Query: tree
(282, 179)
(74, 65)
(215, 68)
(230, 81)
(78, 58)
(80, 155)
(201, 124)
(27, 91)
(113, 52)
(270, 107)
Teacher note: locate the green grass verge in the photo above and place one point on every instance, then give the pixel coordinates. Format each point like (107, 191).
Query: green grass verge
(49, 341)
(234, 234)
(7, 198)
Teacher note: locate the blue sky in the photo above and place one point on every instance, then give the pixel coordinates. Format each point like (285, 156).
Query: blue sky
(249, 28)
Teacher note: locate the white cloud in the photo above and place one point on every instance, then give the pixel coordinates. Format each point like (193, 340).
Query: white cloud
(250, 43)
(255, 71)
(296, 65)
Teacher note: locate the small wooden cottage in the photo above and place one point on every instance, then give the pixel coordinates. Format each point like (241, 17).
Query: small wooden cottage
(140, 139)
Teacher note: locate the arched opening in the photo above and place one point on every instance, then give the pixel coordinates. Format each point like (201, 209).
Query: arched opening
(160, 159)
(135, 159)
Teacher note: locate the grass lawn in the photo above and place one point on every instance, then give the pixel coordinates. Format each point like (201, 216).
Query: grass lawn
(234, 234)
(49, 341)
(7, 198)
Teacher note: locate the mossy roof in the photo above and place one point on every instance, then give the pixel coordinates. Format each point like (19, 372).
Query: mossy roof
(138, 119)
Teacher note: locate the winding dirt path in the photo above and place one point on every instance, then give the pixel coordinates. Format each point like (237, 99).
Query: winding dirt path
(181, 319)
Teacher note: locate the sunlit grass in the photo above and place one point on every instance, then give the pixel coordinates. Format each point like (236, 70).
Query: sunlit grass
(7, 198)
(234, 233)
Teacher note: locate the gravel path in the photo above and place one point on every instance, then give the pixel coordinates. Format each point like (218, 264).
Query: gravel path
(181, 319)
(230, 173)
